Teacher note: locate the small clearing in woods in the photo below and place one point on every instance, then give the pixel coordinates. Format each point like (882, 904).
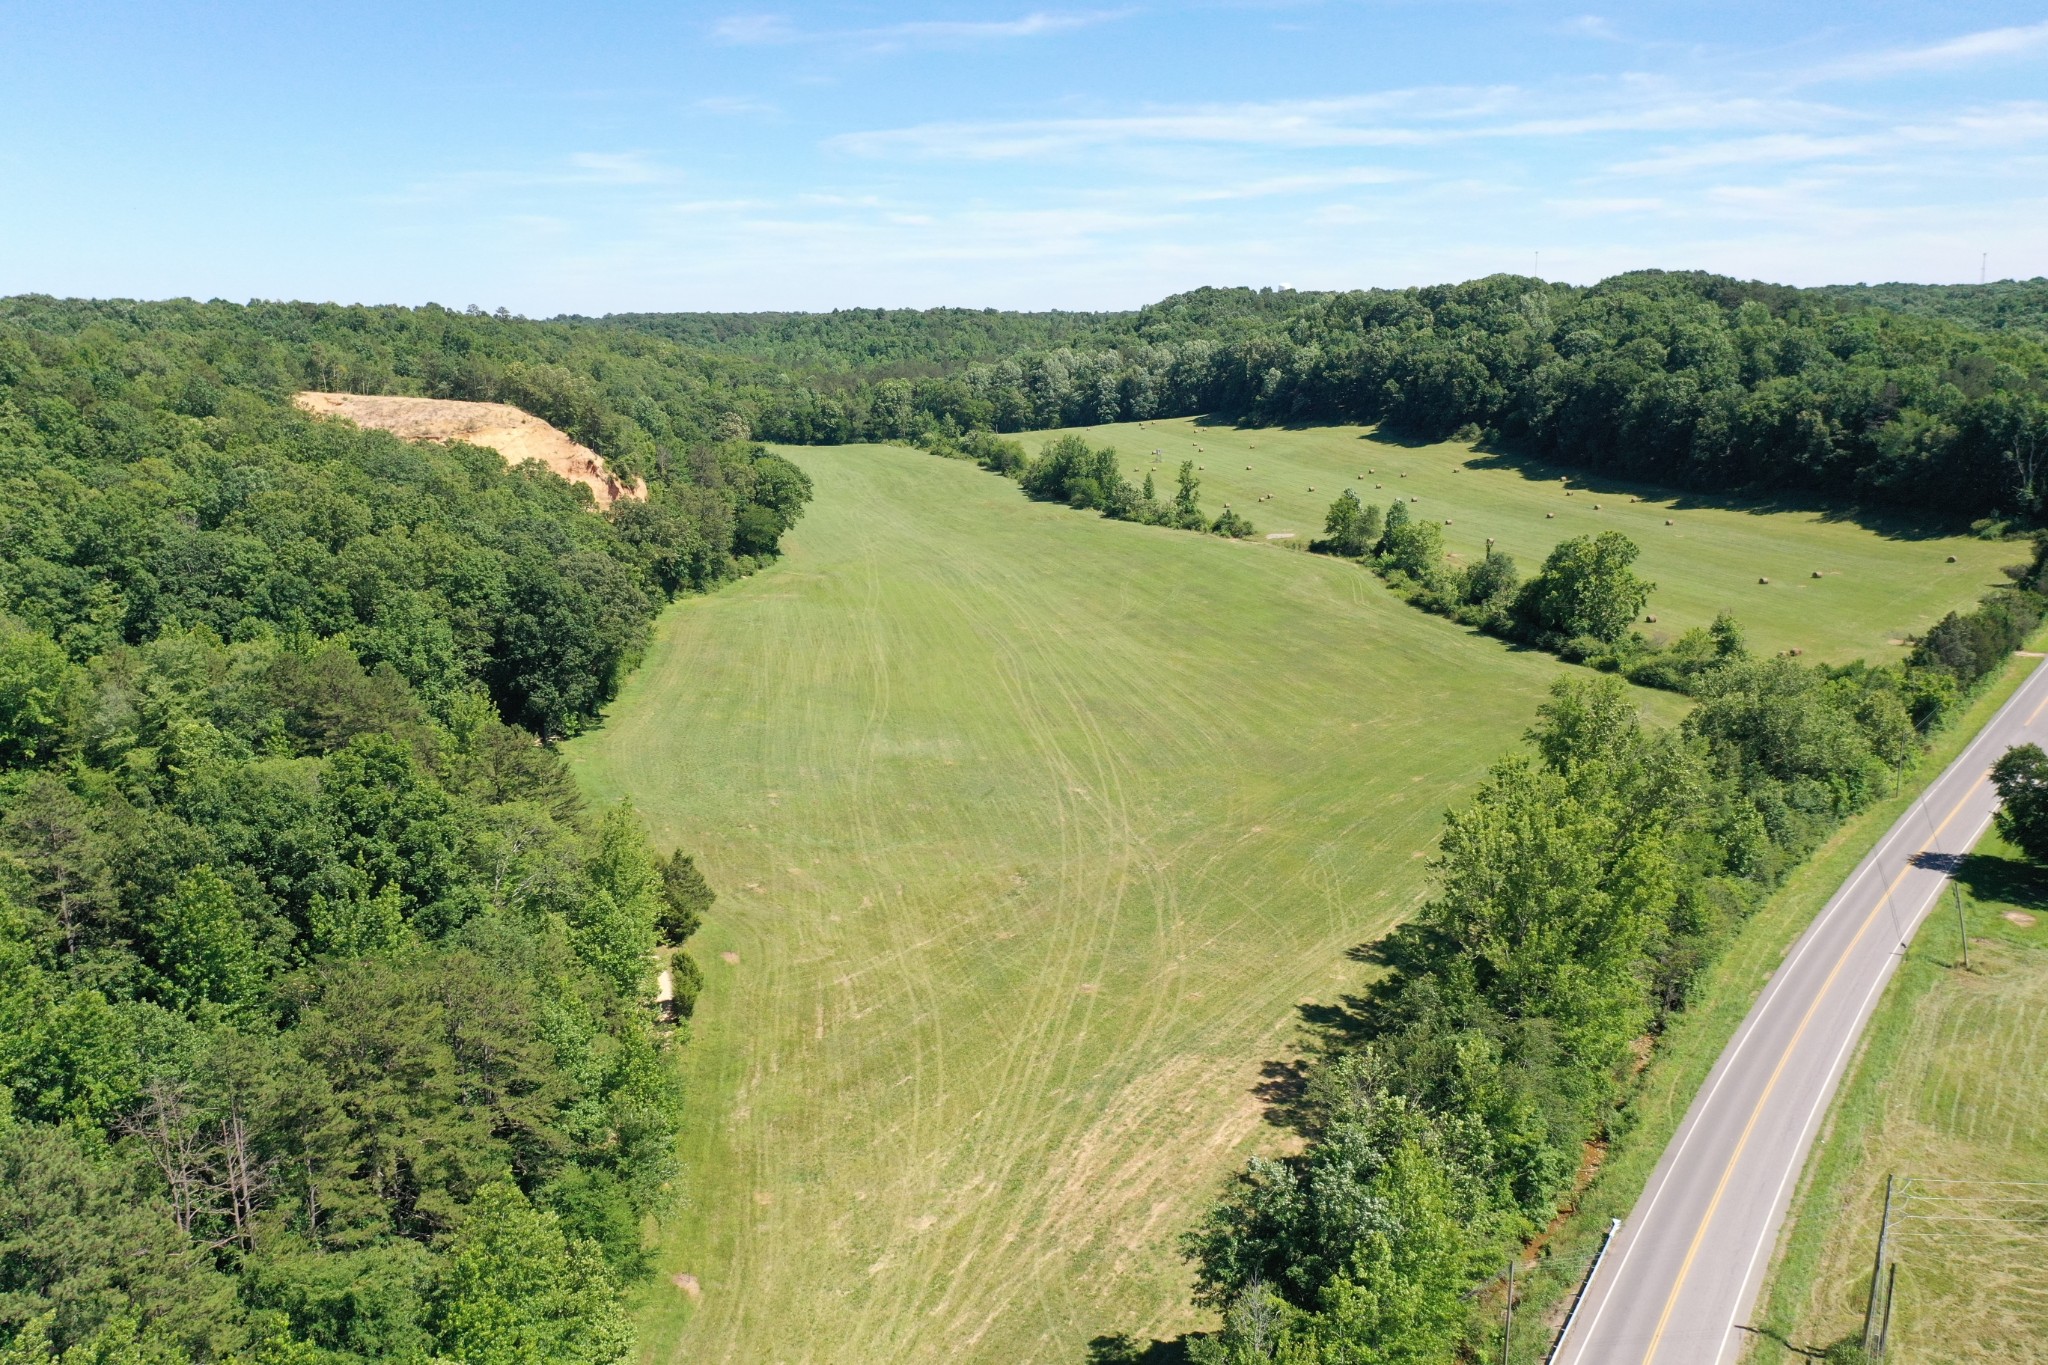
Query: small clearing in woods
(516, 435)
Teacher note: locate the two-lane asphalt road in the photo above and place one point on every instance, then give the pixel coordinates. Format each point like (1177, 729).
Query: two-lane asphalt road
(1681, 1277)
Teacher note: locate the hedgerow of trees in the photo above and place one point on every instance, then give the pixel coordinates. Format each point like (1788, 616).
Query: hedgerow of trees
(1087, 478)
(1580, 893)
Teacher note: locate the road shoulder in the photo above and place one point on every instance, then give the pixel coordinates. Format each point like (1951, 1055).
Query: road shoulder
(1696, 1039)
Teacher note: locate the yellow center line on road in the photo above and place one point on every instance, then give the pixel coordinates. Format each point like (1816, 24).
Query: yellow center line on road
(2037, 712)
(1713, 1205)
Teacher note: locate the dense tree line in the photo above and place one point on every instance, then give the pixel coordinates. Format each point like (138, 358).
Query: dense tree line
(2001, 305)
(1579, 894)
(1692, 380)
(880, 342)
(154, 477)
(326, 1006)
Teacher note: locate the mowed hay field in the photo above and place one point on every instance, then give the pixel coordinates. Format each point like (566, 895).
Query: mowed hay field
(1952, 1087)
(1880, 580)
(1032, 832)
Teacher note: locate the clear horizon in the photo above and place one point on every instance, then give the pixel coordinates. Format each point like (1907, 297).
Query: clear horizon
(807, 157)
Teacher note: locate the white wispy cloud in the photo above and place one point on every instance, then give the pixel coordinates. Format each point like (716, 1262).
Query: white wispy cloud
(1591, 26)
(616, 168)
(578, 171)
(2018, 123)
(766, 30)
(1970, 49)
(1313, 183)
(736, 105)
(1403, 118)
(1769, 149)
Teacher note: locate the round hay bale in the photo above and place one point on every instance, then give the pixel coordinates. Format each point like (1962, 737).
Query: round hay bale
(1550, 516)
(1816, 573)
(1596, 507)
(1567, 492)
(1795, 651)
(1951, 559)
(1311, 488)
(1447, 521)
(1413, 498)
(1651, 619)
(1763, 580)
(1667, 521)
(1247, 469)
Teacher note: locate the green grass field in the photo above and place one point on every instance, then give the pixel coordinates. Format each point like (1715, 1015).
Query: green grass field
(1952, 1085)
(1032, 831)
(1881, 579)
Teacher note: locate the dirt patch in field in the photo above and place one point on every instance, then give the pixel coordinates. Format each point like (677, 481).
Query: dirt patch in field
(688, 1284)
(516, 435)
(2019, 917)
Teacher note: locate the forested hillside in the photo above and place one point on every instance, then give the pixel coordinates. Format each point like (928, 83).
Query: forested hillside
(326, 1021)
(1936, 400)
(848, 344)
(2001, 305)
(877, 340)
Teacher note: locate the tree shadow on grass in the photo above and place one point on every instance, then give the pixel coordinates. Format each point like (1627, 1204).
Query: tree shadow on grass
(1888, 522)
(1121, 1348)
(2008, 881)
(1345, 1025)
(1804, 1352)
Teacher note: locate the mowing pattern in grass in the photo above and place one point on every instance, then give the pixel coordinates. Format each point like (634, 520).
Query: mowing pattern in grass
(1953, 1085)
(1033, 832)
(1880, 579)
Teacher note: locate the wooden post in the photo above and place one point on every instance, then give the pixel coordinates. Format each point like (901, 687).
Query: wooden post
(1507, 1331)
(1877, 1270)
(1891, 1285)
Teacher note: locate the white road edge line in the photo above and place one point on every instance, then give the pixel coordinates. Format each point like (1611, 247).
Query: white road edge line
(1827, 1093)
(1769, 997)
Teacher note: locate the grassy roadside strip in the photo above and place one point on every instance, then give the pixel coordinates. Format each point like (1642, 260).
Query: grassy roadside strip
(1695, 1040)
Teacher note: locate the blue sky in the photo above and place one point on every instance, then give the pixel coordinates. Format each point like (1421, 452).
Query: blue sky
(601, 157)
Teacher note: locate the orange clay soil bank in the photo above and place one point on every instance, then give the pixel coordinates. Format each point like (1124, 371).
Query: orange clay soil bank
(516, 435)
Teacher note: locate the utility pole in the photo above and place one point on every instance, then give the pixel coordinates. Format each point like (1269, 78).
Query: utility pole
(1884, 1333)
(1877, 1270)
(1962, 925)
(1507, 1331)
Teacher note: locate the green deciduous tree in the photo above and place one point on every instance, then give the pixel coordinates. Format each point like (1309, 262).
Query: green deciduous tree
(202, 945)
(2021, 776)
(514, 1290)
(1586, 589)
(1415, 548)
(615, 923)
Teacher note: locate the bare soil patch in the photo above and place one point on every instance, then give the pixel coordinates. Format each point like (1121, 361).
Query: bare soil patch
(516, 435)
